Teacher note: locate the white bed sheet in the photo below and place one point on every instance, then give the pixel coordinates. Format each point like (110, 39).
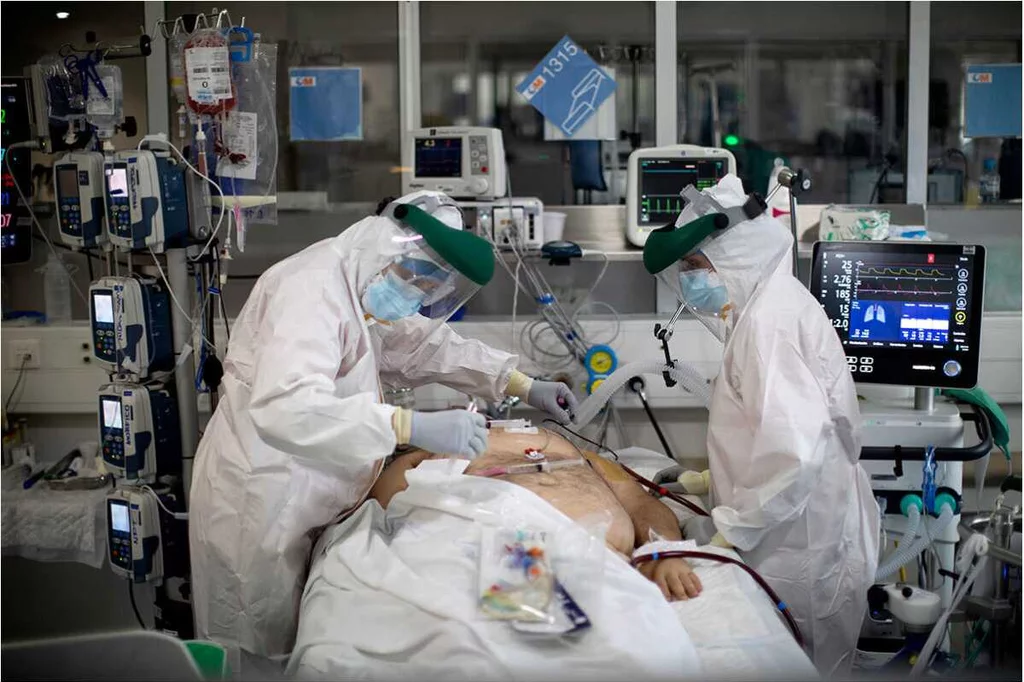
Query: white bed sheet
(382, 602)
(733, 624)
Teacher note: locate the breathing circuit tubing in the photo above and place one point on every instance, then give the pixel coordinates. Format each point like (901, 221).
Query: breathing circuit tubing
(910, 550)
(693, 554)
(685, 373)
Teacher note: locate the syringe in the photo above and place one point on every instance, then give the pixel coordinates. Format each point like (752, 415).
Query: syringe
(532, 468)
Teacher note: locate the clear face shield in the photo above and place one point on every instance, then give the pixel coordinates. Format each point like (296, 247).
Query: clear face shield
(698, 286)
(420, 282)
(417, 282)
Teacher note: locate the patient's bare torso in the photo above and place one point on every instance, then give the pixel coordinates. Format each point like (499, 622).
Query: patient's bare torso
(577, 491)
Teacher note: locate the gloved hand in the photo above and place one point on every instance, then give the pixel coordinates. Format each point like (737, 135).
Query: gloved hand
(695, 482)
(553, 397)
(452, 432)
(699, 529)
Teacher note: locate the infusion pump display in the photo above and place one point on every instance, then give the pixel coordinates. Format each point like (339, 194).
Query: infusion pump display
(908, 314)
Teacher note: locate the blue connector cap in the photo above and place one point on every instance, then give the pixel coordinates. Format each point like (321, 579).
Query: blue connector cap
(909, 501)
(943, 500)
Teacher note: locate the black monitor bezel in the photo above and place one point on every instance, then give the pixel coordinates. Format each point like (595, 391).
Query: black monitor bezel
(889, 366)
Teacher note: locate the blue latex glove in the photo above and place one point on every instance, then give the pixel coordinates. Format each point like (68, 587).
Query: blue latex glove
(553, 397)
(452, 432)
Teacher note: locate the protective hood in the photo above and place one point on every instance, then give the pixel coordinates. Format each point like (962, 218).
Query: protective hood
(746, 254)
(743, 255)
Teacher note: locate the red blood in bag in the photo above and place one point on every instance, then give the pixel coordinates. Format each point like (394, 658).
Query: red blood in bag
(220, 106)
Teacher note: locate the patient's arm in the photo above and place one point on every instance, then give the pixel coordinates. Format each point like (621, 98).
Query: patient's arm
(652, 520)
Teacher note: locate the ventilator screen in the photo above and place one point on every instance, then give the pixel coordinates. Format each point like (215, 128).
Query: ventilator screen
(907, 314)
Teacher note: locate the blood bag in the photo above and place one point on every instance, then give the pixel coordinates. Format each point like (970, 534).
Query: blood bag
(208, 73)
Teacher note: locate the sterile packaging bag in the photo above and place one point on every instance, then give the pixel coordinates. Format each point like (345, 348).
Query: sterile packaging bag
(516, 578)
(578, 553)
(247, 161)
(845, 223)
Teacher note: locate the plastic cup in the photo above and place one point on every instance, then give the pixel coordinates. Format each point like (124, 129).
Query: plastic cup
(554, 226)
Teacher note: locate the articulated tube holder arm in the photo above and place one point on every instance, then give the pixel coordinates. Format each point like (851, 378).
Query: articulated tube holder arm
(684, 373)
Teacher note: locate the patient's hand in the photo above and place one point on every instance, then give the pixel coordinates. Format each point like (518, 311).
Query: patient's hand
(674, 576)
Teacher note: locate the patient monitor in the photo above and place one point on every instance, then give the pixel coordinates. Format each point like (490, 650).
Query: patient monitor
(462, 162)
(657, 175)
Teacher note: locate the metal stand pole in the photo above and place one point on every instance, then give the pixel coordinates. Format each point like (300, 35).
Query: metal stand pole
(185, 369)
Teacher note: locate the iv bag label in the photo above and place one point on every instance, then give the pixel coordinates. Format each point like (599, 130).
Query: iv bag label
(567, 86)
(239, 136)
(209, 75)
(98, 105)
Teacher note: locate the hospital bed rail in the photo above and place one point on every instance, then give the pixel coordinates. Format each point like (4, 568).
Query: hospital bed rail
(899, 453)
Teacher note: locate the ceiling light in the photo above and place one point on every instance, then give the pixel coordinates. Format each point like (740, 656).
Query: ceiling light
(63, 15)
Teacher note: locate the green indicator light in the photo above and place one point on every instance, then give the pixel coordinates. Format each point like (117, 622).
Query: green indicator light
(731, 140)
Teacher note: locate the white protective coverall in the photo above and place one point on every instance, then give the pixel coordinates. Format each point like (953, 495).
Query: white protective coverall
(301, 432)
(784, 441)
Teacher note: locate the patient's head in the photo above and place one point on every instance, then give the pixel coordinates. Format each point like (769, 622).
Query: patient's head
(392, 479)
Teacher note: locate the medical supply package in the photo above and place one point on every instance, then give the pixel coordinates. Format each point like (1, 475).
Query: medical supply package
(847, 223)
(516, 580)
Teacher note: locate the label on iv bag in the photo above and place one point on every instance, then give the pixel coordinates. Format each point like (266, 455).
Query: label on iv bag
(208, 73)
(97, 104)
(239, 135)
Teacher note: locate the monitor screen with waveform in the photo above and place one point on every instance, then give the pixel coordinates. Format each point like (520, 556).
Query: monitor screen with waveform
(912, 308)
(662, 179)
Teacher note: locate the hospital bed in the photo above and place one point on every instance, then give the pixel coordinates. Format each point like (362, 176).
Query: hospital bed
(733, 628)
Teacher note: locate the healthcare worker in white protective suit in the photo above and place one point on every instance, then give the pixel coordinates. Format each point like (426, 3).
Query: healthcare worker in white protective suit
(301, 431)
(783, 425)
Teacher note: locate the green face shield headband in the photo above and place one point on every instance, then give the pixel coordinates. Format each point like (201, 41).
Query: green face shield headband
(466, 252)
(669, 244)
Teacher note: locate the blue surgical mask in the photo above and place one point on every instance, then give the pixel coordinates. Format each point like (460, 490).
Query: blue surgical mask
(389, 298)
(703, 290)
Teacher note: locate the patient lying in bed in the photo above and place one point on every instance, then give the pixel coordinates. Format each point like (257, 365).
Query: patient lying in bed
(595, 486)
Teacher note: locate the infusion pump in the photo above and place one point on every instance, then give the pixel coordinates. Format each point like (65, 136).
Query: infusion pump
(462, 162)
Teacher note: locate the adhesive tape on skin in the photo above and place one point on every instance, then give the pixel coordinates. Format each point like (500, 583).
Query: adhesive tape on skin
(664, 546)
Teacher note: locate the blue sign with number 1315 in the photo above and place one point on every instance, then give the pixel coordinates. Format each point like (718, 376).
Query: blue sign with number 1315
(567, 86)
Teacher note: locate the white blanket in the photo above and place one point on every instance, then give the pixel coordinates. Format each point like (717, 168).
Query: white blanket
(394, 594)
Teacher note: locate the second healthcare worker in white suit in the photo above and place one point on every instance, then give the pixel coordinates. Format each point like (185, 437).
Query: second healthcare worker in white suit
(301, 431)
(783, 424)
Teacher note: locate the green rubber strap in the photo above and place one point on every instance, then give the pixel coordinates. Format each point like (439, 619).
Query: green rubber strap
(466, 252)
(997, 418)
(665, 246)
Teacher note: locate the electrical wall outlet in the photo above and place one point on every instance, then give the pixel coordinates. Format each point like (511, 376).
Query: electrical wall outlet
(28, 351)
